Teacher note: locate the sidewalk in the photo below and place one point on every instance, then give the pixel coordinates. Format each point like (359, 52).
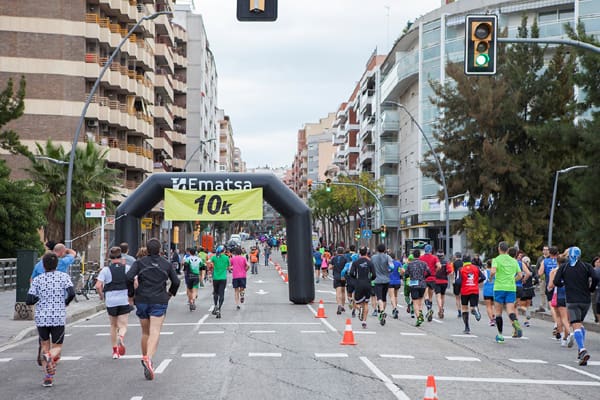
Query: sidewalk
(12, 331)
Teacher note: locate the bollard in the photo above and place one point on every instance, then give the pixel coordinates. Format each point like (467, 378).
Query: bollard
(26, 260)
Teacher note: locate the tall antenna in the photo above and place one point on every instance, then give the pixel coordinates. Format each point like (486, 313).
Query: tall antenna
(387, 15)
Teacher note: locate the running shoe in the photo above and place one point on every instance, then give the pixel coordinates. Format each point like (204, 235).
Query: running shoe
(558, 336)
(214, 310)
(48, 381)
(148, 370)
(476, 313)
(526, 324)
(583, 357)
(563, 343)
(238, 307)
(339, 310)
(429, 315)
(518, 331)
(364, 325)
(382, 317)
(420, 319)
(218, 314)
(570, 340)
(353, 313)
(374, 313)
(121, 345)
(467, 331)
(316, 281)
(441, 314)
(499, 338)
(459, 314)
(115, 355)
(50, 364)
(395, 313)
(242, 296)
(492, 322)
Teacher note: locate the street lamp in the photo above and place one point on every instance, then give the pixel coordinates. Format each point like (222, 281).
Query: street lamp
(52, 160)
(68, 241)
(560, 171)
(202, 142)
(439, 165)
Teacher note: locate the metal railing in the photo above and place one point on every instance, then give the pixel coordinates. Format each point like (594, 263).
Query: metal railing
(8, 273)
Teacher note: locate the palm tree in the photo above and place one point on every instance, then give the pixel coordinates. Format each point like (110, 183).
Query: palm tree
(92, 181)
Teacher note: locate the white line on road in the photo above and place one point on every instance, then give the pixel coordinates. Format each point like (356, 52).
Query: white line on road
(131, 356)
(166, 333)
(464, 336)
(412, 334)
(323, 320)
(70, 358)
(331, 355)
(210, 332)
(453, 358)
(593, 362)
(261, 323)
(137, 398)
(103, 334)
(264, 354)
(516, 338)
(437, 320)
(403, 356)
(526, 361)
(365, 332)
(198, 355)
(263, 331)
(498, 380)
(163, 365)
(313, 332)
(579, 371)
(396, 391)
(5, 359)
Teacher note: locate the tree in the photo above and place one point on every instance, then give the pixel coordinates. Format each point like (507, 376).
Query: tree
(92, 182)
(12, 107)
(503, 137)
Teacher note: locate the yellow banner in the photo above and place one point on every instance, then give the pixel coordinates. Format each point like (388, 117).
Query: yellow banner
(226, 205)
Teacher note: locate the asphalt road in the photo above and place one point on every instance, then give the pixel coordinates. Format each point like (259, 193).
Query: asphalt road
(272, 349)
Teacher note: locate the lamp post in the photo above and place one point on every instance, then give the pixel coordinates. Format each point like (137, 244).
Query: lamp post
(202, 142)
(52, 160)
(560, 171)
(68, 241)
(439, 165)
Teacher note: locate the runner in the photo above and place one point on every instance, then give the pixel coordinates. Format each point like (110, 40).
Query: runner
(580, 281)
(417, 271)
(546, 266)
(456, 266)
(318, 260)
(363, 271)
(395, 283)
(383, 264)
(350, 281)
(151, 298)
(204, 257)
(410, 309)
(254, 254)
(559, 302)
(283, 250)
(239, 267)
(47, 292)
(339, 284)
(488, 292)
(470, 278)
(111, 287)
(191, 269)
(505, 271)
(528, 290)
(441, 282)
(434, 265)
(220, 264)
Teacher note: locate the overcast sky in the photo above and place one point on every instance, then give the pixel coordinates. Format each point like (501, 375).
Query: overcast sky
(273, 77)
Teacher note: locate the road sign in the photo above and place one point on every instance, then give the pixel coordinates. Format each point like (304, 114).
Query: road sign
(146, 223)
(90, 205)
(94, 213)
(367, 234)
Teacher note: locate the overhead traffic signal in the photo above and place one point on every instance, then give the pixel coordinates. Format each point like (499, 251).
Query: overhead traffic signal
(309, 184)
(480, 44)
(383, 231)
(257, 10)
(328, 185)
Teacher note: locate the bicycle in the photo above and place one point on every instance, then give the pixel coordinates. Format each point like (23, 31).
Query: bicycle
(89, 283)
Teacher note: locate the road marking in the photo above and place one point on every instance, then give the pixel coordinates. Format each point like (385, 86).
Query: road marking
(526, 361)
(5, 359)
(516, 338)
(137, 398)
(365, 332)
(453, 358)
(579, 371)
(163, 365)
(313, 332)
(261, 323)
(593, 362)
(67, 334)
(331, 355)
(498, 380)
(403, 356)
(437, 320)
(396, 391)
(412, 334)
(263, 331)
(323, 320)
(210, 332)
(264, 354)
(103, 334)
(261, 292)
(200, 322)
(166, 333)
(131, 356)
(70, 358)
(198, 355)
(465, 336)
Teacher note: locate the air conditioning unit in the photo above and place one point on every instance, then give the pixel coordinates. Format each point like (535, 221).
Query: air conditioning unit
(92, 123)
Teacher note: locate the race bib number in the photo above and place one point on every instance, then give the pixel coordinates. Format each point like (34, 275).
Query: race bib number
(413, 282)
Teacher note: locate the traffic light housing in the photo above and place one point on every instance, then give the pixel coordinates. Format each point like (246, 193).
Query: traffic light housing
(257, 10)
(309, 184)
(383, 231)
(328, 185)
(480, 44)
(357, 233)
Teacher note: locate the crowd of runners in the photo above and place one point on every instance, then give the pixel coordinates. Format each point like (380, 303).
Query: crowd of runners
(365, 280)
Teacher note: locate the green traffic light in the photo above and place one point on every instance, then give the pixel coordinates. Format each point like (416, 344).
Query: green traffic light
(328, 189)
(482, 59)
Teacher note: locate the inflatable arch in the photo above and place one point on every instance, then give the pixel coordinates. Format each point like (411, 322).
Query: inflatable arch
(278, 195)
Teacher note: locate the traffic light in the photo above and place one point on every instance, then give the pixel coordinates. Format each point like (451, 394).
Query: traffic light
(309, 184)
(328, 185)
(257, 10)
(383, 231)
(357, 233)
(480, 47)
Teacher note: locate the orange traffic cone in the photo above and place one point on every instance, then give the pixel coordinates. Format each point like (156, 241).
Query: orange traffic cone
(348, 334)
(321, 310)
(285, 277)
(430, 389)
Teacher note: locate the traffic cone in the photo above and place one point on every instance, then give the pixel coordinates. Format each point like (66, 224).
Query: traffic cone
(348, 337)
(285, 277)
(430, 389)
(321, 310)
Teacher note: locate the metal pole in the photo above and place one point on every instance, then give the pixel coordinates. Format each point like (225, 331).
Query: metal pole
(68, 241)
(102, 219)
(195, 151)
(569, 42)
(439, 165)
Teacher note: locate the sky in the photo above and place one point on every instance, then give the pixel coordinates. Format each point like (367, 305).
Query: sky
(273, 77)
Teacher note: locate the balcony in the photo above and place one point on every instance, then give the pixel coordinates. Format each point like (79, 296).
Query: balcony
(162, 115)
(164, 56)
(390, 121)
(390, 153)
(391, 216)
(163, 85)
(403, 74)
(367, 152)
(391, 185)
(366, 101)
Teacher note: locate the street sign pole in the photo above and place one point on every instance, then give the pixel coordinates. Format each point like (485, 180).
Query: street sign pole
(102, 220)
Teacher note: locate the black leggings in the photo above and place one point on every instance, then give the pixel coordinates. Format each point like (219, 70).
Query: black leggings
(219, 291)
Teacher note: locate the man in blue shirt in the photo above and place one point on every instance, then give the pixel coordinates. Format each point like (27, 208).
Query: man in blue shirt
(65, 259)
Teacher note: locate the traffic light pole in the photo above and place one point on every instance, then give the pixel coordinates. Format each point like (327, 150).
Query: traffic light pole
(568, 42)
